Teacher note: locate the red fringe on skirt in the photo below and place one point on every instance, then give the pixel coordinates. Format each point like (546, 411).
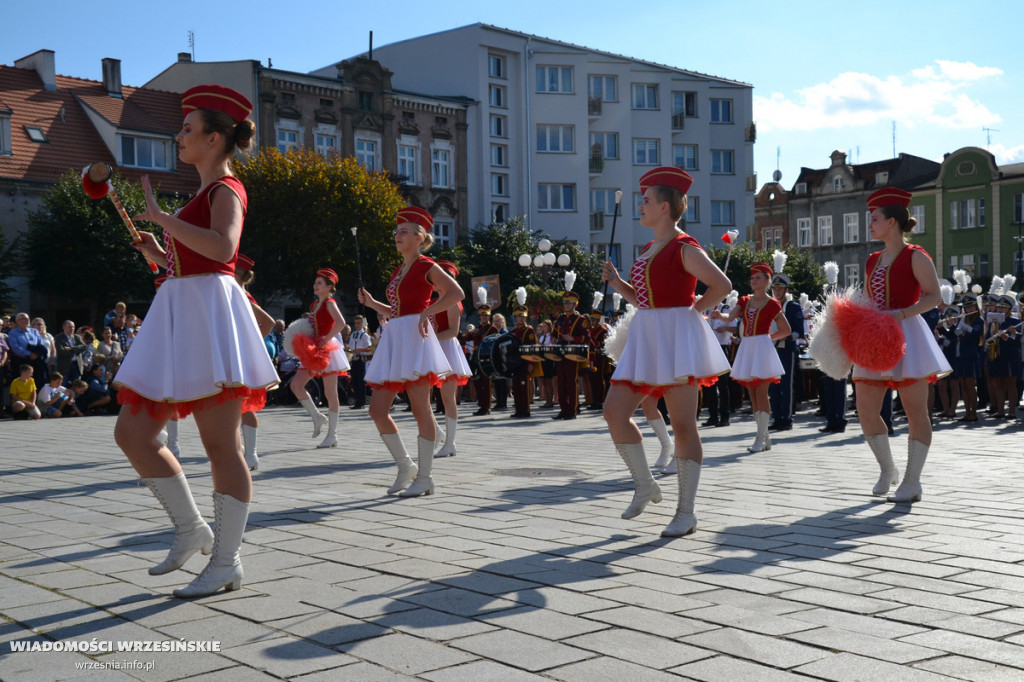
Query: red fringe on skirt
(892, 383)
(755, 382)
(254, 399)
(657, 391)
(399, 386)
(462, 381)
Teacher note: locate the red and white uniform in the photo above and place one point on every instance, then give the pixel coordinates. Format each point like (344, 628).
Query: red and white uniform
(320, 318)
(200, 344)
(893, 288)
(403, 356)
(452, 349)
(669, 343)
(756, 359)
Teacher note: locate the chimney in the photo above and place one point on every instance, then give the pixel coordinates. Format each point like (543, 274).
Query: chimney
(184, 57)
(112, 76)
(43, 64)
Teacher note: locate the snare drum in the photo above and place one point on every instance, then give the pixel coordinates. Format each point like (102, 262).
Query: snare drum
(531, 352)
(580, 352)
(552, 352)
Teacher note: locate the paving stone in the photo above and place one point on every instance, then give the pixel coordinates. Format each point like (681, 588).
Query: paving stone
(745, 619)
(286, 656)
(970, 669)
(836, 639)
(846, 667)
(508, 647)
(726, 669)
(405, 654)
(1004, 653)
(758, 648)
(608, 670)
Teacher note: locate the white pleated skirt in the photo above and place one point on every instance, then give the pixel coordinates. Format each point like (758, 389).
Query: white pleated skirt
(404, 357)
(923, 359)
(756, 360)
(453, 352)
(199, 337)
(667, 347)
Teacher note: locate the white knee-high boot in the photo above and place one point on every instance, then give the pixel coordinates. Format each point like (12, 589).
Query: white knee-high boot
(888, 474)
(685, 521)
(252, 460)
(191, 533)
(424, 484)
(172, 437)
(668, 448)
(225, 567)
(910, 488)
(647, 489)
(406, 469)
(762, 441)
(448, 449)
(331, 439)
(439, 433)
(319, 421)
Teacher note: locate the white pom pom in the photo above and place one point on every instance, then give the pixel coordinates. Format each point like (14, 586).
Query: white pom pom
(615, 342)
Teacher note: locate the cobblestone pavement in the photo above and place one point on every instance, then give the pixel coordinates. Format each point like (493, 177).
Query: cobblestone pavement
(519, 567)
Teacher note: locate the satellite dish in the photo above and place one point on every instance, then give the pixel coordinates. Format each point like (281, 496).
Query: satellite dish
(777, 175)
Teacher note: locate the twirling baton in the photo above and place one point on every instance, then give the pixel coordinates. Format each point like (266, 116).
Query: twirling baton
(359, 268)
(97, 184)
(611, 243)
(730, 239)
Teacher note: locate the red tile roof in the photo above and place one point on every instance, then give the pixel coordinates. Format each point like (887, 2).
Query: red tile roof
(74, 141)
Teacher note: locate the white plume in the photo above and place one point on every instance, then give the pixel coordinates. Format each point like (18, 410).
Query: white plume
(831, 272)
(779, 261)
(946, 291)
(615, 342)
(957, 289)
(481, 296)
(598, 298)
(961, 278)
(732, 298)
(570, 280)
(976, 289)
(1008, 282)
(996, 288)
(805, 301)
(616, 301)
(521, 295)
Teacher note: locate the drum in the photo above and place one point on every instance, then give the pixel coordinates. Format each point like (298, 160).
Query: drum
(580, 352)
(807, 363)
(499, 356)
(531, 352)
(552, 352)
(364, 355)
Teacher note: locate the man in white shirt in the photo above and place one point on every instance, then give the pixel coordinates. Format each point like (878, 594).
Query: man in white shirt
(359, 342)
(717, 396)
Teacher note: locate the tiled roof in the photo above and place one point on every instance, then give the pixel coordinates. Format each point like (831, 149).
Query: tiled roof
(73, 141)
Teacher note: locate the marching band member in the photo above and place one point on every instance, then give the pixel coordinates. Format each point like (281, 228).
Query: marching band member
(446, 325)
(206, 359)
(525, 335)
(244, 276)
(359, 343)
(327, 321)
(669, 350)
(1004, 368)
(570, 328)
(949, 385)
(599, 365)
(781, 394)
(482, 383)
(717, 396)
(901, 281)
(757, 364)
(409, 357)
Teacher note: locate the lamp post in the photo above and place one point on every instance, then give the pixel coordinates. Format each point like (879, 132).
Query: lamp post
(544, 261)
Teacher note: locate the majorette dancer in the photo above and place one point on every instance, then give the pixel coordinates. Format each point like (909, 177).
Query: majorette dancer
(446, 326)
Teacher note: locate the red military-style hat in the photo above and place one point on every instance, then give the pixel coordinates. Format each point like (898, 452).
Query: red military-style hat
(669, 176)
(889, 196)
(244, 262)
(218, 98)
(328, 274)
(761, 267)
(417, 215)
(449, 267)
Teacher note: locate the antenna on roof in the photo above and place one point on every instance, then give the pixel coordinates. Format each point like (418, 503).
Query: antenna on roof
(894, 139)
(371, 45)
(192, 43)
(988, 135)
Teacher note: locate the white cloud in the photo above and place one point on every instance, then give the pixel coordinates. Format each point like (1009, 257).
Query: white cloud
(1005, 154)
(933, 95)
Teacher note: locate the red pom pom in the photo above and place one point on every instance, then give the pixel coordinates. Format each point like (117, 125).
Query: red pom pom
(727, 238)
(95, 190)
(310, 355)
(872, 339)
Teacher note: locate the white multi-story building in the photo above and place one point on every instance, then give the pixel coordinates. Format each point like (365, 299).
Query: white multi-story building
(558, 128)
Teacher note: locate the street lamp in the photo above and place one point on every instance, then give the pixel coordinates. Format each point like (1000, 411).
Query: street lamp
(544, 260)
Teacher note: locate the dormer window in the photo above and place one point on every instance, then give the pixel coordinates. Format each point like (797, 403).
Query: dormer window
(5, 134)
(36, 134)
(801, 188)
(837, 184)
(145, 152)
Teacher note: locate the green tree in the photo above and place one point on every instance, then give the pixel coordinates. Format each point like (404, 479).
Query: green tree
(805, 273)
(302, 207)
(8, 263)
(78, 247)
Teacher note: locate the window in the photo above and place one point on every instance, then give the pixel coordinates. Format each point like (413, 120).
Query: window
(553, 197)
(326, 102)
(645, 96)
(499, 126)
(721, 111)
(602, 201)
(851, 228)
(497, 96)
(499, 184)
(851, 275)
(721, 162)
(983, 265)
(407, 163)
(637, 200)
(684, 106)
(326, 144)
(609, 145)
(825, 230)
(366, 101)
(692, 214)
(287, 135)
(555, 138)
(496, 66)
(143, 152)
(801, 188)
(554, 79)
(367, 153)
(612, 252)
(684, 156)
(603, 88)
(967, 263)
(771, 237)
(5, 135)
(645, 152)
(499, 155)
(440, 168)
(499, 213)
(882, 178)
(837, 185)
(917, 213)
(966, 214)
(36, 134)
(777, 234)
(444, 233)
(723, 213)
(803, 232)
(1018, 204)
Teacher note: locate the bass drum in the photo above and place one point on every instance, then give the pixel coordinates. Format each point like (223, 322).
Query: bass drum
(499, 357)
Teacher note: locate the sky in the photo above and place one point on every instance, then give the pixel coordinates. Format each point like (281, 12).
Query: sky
(940, 75)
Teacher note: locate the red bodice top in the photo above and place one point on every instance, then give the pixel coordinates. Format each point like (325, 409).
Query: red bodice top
(660, 280)
(758, 321)
(410, 295)
(440, 322)
(183, 261)
(895, 286)
(251, 299)
(320, 318)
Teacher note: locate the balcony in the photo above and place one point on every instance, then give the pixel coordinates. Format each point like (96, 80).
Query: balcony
(752, 182)
(594, 105)
(597, 221)
(750, 132)
(596, 158)
(678, 120)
